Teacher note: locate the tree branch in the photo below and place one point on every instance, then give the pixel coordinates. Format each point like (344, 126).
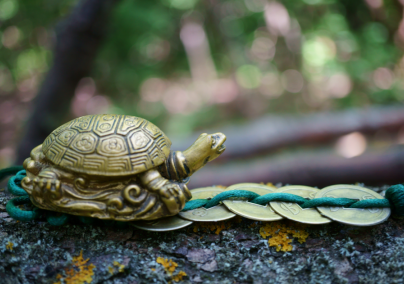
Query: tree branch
(308, 169)
(274, 131)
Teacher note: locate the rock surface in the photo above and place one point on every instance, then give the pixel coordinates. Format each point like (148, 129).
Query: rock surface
(36, 252)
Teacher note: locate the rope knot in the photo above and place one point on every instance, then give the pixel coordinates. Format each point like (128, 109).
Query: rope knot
(395, 195)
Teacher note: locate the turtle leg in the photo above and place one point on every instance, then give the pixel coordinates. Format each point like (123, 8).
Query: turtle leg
(42, 179)
(46, 182)
(172, 194)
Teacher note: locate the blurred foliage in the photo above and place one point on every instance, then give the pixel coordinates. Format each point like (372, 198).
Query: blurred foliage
(189, 64)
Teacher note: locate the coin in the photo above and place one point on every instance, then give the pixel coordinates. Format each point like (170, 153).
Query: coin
(294, 212)
(250, 210)
(245, 186)
(214, 214)
(353, 216)
(162, 225)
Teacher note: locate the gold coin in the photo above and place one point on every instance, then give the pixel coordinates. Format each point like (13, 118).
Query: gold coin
(214, 214)
(353, 216)
(250, 210)
(162, 225)
(294, 212)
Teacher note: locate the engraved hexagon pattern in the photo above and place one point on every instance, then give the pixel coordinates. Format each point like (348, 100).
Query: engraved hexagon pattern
(129, 123)
(66, 137)
(83, 123)
(104, 124)
(138, 141)
(112, 146)
(85, 143)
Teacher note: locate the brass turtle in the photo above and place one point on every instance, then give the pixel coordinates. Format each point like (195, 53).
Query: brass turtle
(114, 167)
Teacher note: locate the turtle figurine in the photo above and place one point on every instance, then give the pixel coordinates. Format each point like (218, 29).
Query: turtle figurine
(117, 167)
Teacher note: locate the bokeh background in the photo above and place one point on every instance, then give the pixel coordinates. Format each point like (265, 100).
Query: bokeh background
(308, 91)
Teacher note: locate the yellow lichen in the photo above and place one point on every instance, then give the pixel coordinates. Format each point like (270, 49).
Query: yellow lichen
(79, 273)
(178, 277)
(121, 267)
(279, 235)
(169, 267)
(301, 236)
(111, 270)
(216, 227)
(10, 246)
(254, 224)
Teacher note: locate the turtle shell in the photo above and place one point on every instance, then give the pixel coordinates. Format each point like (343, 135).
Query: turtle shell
(107, 145)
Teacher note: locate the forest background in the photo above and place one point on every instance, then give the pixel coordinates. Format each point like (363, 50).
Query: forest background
(307, 91)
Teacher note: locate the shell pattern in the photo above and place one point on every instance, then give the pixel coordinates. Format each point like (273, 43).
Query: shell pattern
(107, 145)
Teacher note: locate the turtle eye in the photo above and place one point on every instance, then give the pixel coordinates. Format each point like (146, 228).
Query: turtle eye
(215, 139)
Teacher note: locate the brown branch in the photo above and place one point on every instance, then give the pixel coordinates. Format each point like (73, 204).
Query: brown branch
(308, 169)
(272, 132)
(77, 41)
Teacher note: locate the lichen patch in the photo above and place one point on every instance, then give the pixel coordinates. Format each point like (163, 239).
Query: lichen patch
(79, 273)
(169, 267)
(10, 246)
(279, 235)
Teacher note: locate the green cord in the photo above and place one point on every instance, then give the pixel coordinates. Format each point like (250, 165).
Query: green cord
(14, 186)
(395, 194)
(394, 200)
(57, 219)
(21, 215)
(304, 203)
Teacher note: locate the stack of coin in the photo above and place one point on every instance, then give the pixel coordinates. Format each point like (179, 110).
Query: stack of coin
(276, 210)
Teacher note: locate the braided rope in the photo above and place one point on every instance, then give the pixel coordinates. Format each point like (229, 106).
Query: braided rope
(286, 197)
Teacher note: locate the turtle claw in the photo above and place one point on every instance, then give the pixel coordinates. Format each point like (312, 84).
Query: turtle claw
(47, 180)
(44, 183)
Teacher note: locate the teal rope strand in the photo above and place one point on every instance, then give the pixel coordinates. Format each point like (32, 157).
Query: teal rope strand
(239, 194)
(394, 200)
(372, 203)
(55, 219)
(21, 215)
(328, 201)
(21, 173)
(395, 194)
(195, 203)
(86, 220)
(278, 196)
(14, 186)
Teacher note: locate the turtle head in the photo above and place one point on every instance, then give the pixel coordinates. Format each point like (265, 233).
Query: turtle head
(205, 149)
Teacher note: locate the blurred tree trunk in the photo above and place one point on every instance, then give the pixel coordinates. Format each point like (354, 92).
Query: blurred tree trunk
(78, 39)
